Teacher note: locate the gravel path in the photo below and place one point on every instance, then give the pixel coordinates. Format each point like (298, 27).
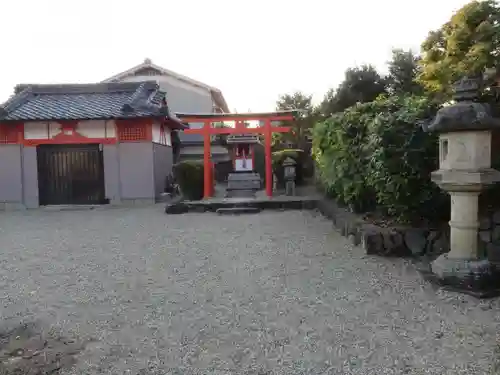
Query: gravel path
(278, 291)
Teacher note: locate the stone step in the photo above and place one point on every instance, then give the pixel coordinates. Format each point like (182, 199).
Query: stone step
(240, 194)
(244, 176)
(238, 210)
(243, 181)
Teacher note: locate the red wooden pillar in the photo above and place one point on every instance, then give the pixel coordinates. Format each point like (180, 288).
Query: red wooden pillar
(207, 177)
(269, 168)
(212, 183)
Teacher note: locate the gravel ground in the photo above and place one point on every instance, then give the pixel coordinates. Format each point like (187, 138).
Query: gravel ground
(274, 293)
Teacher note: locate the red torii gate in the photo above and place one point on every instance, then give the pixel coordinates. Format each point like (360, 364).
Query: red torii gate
(239, 118)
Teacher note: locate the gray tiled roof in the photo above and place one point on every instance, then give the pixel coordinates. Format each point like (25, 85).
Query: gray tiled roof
(85, 101)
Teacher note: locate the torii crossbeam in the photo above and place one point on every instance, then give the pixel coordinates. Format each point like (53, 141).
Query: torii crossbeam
(267, 129)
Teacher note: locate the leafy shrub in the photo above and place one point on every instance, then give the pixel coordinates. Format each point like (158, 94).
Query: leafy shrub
(402, 157)
(339, 148)
(189, 176)
(375, 155)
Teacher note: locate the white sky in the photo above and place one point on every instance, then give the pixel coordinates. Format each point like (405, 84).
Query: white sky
(252, 50)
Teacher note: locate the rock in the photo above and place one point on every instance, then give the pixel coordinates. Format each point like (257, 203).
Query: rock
(415, 241)
(372, 242)
(394, 245)
(496, 217)
(440, 246)
(326, 208)
(477, 277)
(197, 209)
(350, 227)
(484, 223)
(354, 239)
(481, 249)
(176, 208)
(432, 238)
(495, 234)
(343, 227)
(485, 236)
(433, 235)
(340, 224)
(493, 253)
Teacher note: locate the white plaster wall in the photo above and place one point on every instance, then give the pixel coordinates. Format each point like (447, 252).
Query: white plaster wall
(37, 130)
(97, 128)
(89, 129)
(157, 135)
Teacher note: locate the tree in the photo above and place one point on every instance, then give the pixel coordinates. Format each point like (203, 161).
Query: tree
(403, 71)
(305, 121)
(466, 45)
(361, 85)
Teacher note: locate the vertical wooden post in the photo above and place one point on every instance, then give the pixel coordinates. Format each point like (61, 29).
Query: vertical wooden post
(213, 182)
(207, 174)
(269, 168)
(252, 151)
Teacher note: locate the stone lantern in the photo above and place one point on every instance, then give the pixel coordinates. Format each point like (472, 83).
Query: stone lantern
(289, 171)
(465, 133)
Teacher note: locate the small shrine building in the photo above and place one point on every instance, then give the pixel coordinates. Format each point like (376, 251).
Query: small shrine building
(85, 144)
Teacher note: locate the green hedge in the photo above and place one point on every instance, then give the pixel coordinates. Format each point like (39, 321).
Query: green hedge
(189, 176)
(340, 151)
(376, 156)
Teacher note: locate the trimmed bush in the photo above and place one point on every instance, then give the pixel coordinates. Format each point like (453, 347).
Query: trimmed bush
(401, 159)
(189, 176)
(340, 151)
(375, 156)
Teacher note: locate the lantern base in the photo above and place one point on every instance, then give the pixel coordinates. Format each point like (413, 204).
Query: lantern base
(479, 278)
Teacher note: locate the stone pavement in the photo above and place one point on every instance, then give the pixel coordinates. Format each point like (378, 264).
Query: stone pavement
(274, 293)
